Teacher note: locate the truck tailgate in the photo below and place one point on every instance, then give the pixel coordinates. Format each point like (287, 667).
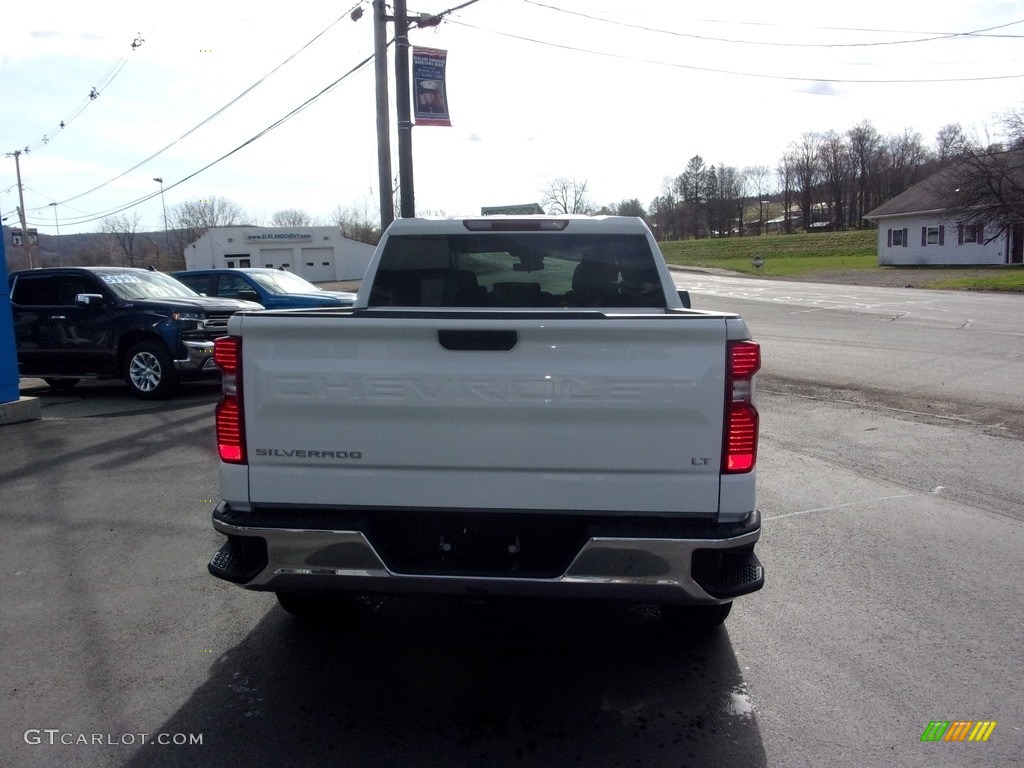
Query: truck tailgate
(486, 411)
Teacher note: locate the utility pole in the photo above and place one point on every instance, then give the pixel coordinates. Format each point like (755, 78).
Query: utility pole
(167, 242)
(25, 240)
(408, 204)
(380, 69)
(57, 225)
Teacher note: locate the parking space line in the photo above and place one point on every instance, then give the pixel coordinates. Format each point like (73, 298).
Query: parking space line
(840, 506)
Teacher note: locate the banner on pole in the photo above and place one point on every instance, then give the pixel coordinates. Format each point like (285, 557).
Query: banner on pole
(429, 93)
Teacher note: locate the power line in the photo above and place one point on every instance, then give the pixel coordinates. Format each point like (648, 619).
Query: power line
(86, 218)
(933, 36)
(759, 75)
(425, 20)
(101, 85)
(276, 124)
(218, 112)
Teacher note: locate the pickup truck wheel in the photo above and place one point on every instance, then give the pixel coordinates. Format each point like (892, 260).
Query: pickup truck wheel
(61, 384)
(696, 618)
(321, 609)
(148, 371)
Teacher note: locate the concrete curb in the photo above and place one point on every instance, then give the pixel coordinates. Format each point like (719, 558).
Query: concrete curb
(23, 409)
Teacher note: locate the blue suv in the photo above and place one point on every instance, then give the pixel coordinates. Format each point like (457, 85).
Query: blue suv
(273, 288)
(73, 323)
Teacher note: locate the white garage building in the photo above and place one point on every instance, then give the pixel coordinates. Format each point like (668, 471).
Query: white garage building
(319, 254)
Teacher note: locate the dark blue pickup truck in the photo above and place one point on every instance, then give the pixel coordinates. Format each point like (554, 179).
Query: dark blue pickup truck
(273, 288)
(75, 323)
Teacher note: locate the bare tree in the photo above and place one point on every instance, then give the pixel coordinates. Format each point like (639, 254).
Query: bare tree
(192, 218)
(758, 178)
(291, 217)
(986, 185)
(723, 189)
(563, 196)
(807, 171)
(786, 176)
(949, 140)
(630, 208)
(734, 185)
(154, 251)
(836, 169)
(1013, 129)
(906, 154)
(865, 154)
(356, 224)
(123, 228)
(664, 213)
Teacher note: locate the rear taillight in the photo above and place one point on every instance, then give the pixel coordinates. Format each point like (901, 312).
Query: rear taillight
(227, 354)
(739, 450)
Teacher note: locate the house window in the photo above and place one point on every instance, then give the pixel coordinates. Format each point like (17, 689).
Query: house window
(897, 238)
(231, 265)
(244, 263)
(933, 235)
(972, 233)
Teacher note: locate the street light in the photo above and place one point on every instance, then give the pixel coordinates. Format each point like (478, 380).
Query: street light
(56, 224)
(163, 204)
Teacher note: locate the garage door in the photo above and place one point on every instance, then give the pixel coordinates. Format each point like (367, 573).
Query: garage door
(318, 264)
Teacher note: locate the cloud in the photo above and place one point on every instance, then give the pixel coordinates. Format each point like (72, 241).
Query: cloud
(52, 34)
(820, 88)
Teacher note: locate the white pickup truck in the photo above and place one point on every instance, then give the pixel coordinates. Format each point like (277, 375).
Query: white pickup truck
(512, 407)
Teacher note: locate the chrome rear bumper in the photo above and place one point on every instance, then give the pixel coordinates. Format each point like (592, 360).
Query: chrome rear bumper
(697, 570)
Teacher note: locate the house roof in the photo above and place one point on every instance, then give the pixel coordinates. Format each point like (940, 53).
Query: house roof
(925, 197)
(934, 193)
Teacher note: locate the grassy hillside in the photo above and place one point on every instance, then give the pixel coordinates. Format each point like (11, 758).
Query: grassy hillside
(831, 252)
(782, 254)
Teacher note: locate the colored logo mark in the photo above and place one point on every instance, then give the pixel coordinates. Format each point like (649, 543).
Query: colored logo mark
(958, 730)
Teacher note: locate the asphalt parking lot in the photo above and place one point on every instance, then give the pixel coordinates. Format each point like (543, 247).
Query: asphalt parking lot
(890, 490)
(116, 637)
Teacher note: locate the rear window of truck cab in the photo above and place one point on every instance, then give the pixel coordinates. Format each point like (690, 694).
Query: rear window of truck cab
(517, 269)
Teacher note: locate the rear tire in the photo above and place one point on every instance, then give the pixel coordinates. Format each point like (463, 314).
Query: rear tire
(318, 608)
(696, 618)
(60, 385)
(148, 371)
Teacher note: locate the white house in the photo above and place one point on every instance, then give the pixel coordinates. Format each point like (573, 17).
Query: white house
(319, 254)
(915, 228)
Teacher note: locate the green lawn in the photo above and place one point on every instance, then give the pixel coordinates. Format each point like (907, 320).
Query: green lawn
(802, 254)
(782, 254)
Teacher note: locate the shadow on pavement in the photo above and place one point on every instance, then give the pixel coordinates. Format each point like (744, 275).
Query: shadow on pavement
(439, 683)
(113, 398)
